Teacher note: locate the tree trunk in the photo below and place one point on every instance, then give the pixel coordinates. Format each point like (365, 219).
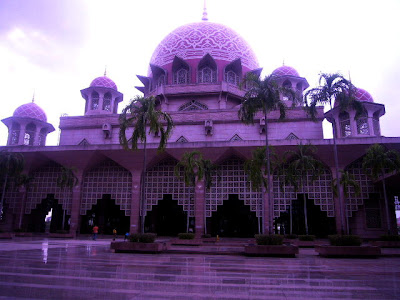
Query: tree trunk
(337, 176)
(3, 194)
(305, 212)
(386, 203)
(270, 208)
(291, 218)
(143, 200)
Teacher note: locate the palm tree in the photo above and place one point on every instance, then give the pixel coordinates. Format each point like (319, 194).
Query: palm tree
(67, 181)
(381, 161)
(195, 167)
(347, 180)
(264, 95)
(141, 114)
(11, 165)
(301, 164)
(333, 88)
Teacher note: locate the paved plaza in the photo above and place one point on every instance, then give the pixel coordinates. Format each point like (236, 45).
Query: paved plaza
(83, 269)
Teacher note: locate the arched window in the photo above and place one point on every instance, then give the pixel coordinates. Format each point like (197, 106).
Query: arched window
(344, 121)
(29, 137)
(15, 130)
(231, 77)
(181, 76)
(207, 70)
(95, 100)
(287, 84)
(233, 72)
(299, 86)
(42, 137)
(362, 124)
(107, 102)
(375, 122)
(161, 80)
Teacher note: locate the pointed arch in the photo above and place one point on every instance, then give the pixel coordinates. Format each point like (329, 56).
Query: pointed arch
(233, 72)
(292, 136)
(182, 139)
(236, 137)
(29, 137)
(94, 100)
(15, 132)
(207, 70)
(107, 101)
(193, 105)
(344, 121)
(181, 71)
(84, 142)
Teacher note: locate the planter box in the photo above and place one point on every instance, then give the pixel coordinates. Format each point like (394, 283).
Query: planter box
(386, 244)
(194, 242)
(348, 251)
(61, 235)
(212, 240)
(6, 235)
(23, 234)
(304, 244)
(271, 250)
(138, 247)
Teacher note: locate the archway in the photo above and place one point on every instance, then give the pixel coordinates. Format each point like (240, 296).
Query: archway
(233, 219)
(106, 215)
(167, 218)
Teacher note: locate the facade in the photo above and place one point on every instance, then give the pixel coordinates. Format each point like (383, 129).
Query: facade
(194, 74)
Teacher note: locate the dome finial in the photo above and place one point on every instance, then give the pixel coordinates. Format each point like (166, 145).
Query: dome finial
(33, 96)
(105, 71)
(349, 76)
(283, 62)
(205, 18)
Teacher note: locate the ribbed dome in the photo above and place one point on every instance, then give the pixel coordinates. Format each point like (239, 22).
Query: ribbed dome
(30, 110)
(363, 95)
(285, 71)
(104, 81)
(195, 40)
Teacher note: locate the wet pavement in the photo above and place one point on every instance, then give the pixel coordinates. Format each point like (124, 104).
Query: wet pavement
(40, 268)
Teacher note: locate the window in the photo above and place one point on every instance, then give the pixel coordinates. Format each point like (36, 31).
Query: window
(362, 124)
(375, 122)
(231, 77)
(161, 80)
(181, 76)
(15, 130)
(95, 101)
(373, 212)
(107, 102)
(29, 136)
(42, 137)
(344, 121)
(207, 75)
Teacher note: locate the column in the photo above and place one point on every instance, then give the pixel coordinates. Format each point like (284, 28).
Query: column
(340, 215)
(199, 208)
(76, 204)
(268, 211)
(135, 203)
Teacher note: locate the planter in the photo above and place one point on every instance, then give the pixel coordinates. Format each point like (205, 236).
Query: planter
(23, 234)
(304, 244)
(386, 244)
(210, 240)
(183, 242)
(348, 251)
(271, 250)
(6, 235)
(61, 235)
(138, 247)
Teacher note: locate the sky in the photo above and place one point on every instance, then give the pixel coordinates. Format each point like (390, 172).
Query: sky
(55, 48)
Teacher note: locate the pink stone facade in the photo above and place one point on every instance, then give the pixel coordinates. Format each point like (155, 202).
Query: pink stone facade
(194, 73)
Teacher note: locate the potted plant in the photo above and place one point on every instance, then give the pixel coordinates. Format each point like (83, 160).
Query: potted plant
(387, 241)
(271, 245)
(305, 241)
(140, 242)
(347, 246)
(187, 239)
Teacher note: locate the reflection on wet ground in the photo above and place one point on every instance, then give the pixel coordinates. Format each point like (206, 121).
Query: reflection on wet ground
(83, 269)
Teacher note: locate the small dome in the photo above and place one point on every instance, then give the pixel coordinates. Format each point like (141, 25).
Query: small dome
(104, 81)
(363, 95)
(285, 71)
(30, 110)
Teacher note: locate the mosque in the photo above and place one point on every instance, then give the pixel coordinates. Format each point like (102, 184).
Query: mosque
(194, 73)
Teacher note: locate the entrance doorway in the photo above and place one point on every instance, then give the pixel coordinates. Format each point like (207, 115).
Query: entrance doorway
(318, 222)
(233, 219)
(167, 218)
(107, 216)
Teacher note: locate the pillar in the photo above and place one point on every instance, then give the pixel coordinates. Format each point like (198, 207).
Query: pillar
(340, 215)
(199, 208)
(76, 203)
(135, 203)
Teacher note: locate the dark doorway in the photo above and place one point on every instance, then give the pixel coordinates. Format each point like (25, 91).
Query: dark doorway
(167, 218)
(233, 219)
(318, 222)
(37, 219)
(107, 216)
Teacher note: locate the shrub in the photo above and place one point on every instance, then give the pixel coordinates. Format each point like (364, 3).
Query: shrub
(142, 237)
(265, 239)
(291, 236)
(344, 240)
(306, 237)
(390, 238)
(206, 236)
(186, 236)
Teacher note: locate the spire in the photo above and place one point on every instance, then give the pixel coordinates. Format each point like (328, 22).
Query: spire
(33, 96)
(205, 18)
(105, 71)
(349, 76)
(283, 62)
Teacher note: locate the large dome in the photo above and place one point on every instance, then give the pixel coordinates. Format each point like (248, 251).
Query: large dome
(285, 71)
(103, 81)
(195, 40)
(30, 110)
(363, 95)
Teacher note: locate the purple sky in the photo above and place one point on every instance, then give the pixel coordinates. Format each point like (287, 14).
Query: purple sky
(57, 47)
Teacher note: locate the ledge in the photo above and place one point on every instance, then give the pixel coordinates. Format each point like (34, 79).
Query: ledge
(156, 247)
(348, 251)
(271, 250)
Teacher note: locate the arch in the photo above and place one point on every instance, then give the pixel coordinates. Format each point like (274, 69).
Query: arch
(159, 76)
(344, 122)
(107, 178)
(161, 180)
(235, 138)
(44, 182)
(182, 139)
(193, 105)
(95, 100)
(180, 70)
(107, 101)
(42, 136)
(230, 178)
(317, 188)
(376, 124)
(207, 70)
(15, 132)
(233, 72)
(29, 137)
(287, 84)
(299, 87)
(362, 124)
